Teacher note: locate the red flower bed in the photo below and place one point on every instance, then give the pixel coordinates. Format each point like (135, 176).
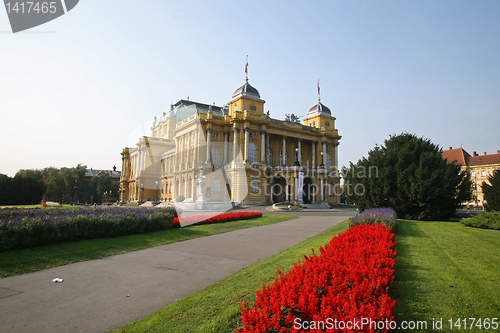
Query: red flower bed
(206, 219)
(344, 289)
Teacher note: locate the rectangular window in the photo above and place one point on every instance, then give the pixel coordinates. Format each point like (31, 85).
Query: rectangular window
(253, 108)
(483, 173)
(216, 136)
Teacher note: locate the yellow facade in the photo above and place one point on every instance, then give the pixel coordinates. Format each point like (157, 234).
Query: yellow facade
(235, 153)
(480, 168)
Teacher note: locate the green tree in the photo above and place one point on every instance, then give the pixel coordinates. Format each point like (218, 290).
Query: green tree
(6, 187)
(409, 174)
(107, 188)
(55, 185)
(77, 188)
(492, 192)
(28, 187)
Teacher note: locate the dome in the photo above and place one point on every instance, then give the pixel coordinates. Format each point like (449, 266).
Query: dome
(319, 108)
(247, 90)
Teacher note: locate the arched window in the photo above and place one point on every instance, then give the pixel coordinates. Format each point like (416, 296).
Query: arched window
(252, 152)
(215, 156)
(328, 161)
(216, 185)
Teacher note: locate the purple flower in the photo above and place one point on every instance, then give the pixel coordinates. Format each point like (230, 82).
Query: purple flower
(385, 215)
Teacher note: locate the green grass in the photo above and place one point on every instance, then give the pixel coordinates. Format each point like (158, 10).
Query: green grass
(446, 270)
(22, 206)
(35, 206)
(33, 259)
(216, 308)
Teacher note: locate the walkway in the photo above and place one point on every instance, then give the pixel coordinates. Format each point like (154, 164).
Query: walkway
(104, 294)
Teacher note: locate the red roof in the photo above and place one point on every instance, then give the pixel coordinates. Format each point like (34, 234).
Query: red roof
(458, 154)
(485, 159)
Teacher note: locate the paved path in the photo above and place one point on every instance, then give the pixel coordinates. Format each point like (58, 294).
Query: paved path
(93, 296)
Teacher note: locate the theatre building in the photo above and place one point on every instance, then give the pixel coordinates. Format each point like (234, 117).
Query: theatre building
(235, 153)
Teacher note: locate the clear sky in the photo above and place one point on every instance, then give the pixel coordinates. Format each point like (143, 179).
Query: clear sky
(80, 88)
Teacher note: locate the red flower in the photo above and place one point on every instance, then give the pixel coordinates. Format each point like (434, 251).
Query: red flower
(348, 281)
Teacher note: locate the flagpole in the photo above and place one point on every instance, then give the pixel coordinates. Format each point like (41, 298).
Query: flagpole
(246, 69)
(319, 95)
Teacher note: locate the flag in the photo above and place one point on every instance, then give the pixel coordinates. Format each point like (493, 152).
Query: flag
(318, 87)
(246, 66)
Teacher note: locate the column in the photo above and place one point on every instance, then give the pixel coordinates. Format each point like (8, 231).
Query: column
(313, 144)
(181, 151)
(124, 172)
(321, 181)
(299, 155)
(235, 143)
(139, 163)
(262, 147)
(324, 153)
(296, 188)
(209, 145)
(196, 159)
(247, 138)
(268, 162)
(336, 145)
(226, 146)
(283, 152)
(194, 193)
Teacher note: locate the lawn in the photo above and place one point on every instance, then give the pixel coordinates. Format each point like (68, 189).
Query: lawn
(445, 270)
(17, 262)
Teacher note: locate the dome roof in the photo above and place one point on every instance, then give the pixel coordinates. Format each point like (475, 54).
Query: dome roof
(319, 108)
(247, 90)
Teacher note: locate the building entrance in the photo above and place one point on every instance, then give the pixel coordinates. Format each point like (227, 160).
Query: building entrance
(278, 189)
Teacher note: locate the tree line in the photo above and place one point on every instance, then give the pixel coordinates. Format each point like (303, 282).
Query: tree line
(65, 185)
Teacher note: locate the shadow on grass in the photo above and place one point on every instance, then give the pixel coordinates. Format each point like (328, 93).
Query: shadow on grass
(410, 278)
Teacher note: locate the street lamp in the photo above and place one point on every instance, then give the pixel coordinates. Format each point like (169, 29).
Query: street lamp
(297, 163)
(322, 165)
(142, 191)
(75, 187)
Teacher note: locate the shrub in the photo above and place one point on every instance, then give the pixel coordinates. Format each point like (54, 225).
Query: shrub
(349, 279)
(28, 228)
(386, 216)
(490, 220)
